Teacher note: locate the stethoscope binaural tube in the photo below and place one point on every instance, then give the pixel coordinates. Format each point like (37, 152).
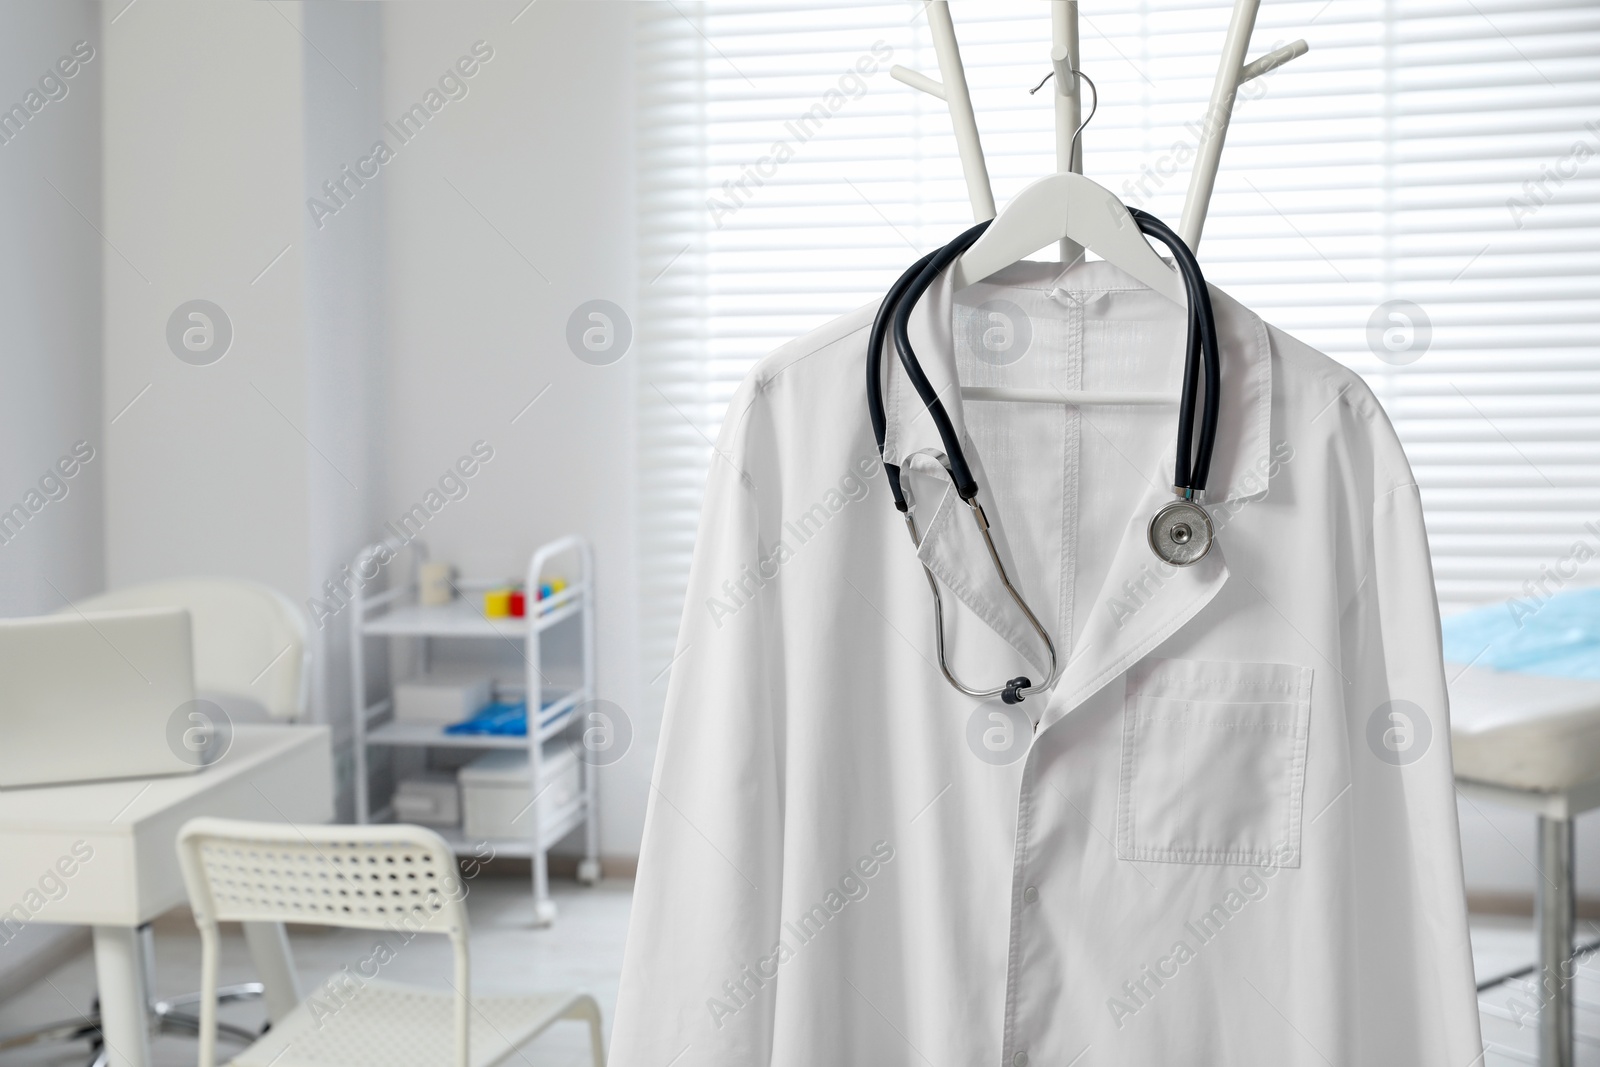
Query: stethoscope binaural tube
(1186, 479)
(1180, 532)
(960, 474)
(875, 406)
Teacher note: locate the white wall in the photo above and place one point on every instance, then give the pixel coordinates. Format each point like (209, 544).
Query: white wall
(329, 414)
(345, 365)
(50, 308)
(50, 360)
(1500, 853)
(206, 471)
(511, 207)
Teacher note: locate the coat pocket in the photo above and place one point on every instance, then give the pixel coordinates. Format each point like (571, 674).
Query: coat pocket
(1213, 762)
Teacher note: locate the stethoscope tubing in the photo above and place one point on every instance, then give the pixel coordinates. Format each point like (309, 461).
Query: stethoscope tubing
(1191, 465)
(875, 343)
(960, 474)
(1202, 341)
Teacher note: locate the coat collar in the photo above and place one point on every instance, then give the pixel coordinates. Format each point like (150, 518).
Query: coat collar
(1243, 443)
(1142, 601)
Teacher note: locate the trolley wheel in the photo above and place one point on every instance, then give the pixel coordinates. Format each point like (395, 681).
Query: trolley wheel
(588, 871)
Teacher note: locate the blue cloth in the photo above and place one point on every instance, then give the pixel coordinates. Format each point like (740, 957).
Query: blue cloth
(1558, 637)
(506, 719)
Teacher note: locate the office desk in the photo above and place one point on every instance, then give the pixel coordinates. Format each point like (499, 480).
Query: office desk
(104, 855)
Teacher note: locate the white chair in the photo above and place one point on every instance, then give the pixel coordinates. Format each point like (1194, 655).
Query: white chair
(249, 639)
(400, 879)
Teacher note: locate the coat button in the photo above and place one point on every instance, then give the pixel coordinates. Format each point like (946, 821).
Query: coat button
(1030, 895)
(1020, 1059)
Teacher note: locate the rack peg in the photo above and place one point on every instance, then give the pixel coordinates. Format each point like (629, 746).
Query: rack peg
(917, 80)
(1273, 60)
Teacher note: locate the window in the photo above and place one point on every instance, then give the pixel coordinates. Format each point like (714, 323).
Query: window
(1419, 197)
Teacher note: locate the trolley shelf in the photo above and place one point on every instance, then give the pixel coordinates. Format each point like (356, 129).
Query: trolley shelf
(462, 618)
(553, 717)
(395, 616)
(421, 735)
(557, 824)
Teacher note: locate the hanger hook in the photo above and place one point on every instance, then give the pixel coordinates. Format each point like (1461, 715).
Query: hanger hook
(1093, 106)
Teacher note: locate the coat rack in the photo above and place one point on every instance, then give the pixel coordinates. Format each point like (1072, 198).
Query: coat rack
(1065, 59)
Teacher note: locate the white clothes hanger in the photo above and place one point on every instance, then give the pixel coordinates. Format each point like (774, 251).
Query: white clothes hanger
(1067, 207)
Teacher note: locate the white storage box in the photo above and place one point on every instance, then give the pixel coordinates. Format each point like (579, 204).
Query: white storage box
(440, 700)
(496, 791)
(434, 800)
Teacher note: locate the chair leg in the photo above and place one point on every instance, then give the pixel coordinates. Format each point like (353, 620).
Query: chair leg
(584, 1008)
(1553, 915)
(269, 951)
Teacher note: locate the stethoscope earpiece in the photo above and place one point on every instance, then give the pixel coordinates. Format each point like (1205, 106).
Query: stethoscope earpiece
(1180, 532)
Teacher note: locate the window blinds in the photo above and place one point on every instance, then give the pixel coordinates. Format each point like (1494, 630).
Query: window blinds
(1419, 197)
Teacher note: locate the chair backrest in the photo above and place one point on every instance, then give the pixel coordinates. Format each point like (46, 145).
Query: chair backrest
(249, 639)
(391, 877)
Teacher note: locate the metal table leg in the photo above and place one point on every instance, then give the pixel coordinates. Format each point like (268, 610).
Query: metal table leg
(1553, 915)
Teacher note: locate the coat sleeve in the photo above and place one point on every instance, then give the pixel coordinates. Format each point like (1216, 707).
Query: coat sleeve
(1416, 1000)
(705, 910)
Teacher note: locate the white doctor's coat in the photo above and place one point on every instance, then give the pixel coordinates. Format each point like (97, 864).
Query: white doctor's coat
(1231, 838)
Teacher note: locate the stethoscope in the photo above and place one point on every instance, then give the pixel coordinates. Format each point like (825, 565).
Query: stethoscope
(1180, 532)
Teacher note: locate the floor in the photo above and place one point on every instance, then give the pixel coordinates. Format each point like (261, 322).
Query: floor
(1509, 1012)
(583, 950)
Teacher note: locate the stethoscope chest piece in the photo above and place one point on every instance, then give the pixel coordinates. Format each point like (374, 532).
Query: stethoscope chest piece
(1181, 533)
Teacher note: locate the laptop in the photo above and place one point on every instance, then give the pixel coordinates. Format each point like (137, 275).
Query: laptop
(95, 695)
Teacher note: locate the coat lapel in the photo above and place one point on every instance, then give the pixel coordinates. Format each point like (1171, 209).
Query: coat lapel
(1142, 602)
